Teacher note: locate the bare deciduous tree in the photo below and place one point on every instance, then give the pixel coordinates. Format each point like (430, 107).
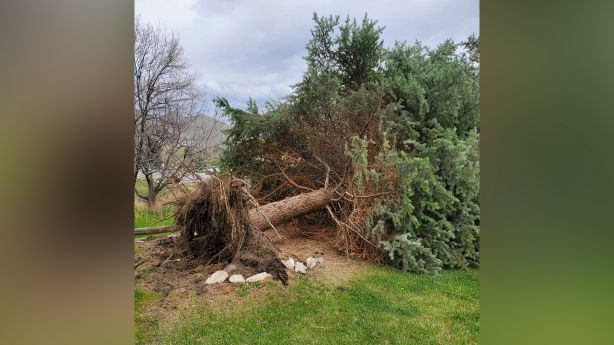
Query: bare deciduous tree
(167, 104)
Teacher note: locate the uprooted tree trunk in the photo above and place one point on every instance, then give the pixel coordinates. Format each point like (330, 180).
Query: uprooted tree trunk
(217, 225)
(274, 213)
(279, 212)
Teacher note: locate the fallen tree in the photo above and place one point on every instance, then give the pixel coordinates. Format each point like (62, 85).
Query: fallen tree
(221, 222)
(271, 214)
(278, 212)
(396, 138)
(399, 129)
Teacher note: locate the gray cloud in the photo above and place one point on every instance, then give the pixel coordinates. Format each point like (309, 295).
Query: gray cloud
(245, 48)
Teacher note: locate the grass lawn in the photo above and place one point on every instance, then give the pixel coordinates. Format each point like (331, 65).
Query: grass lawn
(145, 218)
(379, 306)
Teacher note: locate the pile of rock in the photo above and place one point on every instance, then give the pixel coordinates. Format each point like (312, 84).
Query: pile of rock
(296, 265)
(300, 267)
(220, 277)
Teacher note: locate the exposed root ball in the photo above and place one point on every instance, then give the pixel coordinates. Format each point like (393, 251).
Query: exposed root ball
(215, 227)
(214, 219)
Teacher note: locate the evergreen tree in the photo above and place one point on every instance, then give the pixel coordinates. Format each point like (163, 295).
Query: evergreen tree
(406, 118)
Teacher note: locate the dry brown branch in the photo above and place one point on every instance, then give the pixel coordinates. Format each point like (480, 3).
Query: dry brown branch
(291, 181)
(327, 170)
(366, 196)
(265, 178)
(273, 191)
(348, 226)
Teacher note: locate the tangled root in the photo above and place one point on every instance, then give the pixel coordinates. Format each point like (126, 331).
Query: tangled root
(215, 227)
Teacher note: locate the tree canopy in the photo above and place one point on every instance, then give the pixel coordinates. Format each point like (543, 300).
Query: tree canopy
(397, 131)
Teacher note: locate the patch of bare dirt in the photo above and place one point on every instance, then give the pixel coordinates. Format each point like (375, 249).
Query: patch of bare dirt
(181, 281)
(302, 242)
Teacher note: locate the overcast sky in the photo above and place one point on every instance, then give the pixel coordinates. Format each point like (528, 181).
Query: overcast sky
(243, 48)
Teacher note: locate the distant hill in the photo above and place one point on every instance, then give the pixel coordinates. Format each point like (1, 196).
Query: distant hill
(206, 136)
(206, 133)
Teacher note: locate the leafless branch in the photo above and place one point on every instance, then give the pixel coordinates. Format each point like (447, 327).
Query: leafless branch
(168, 107)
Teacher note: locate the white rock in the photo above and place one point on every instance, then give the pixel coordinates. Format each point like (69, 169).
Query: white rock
(299, 267)
(258, 277)
(311, 262)
(288, 263)
(320, 259)
(236, 278)
(217, 277)
(230, 268)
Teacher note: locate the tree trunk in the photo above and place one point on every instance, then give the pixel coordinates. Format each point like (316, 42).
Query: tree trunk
(280, 211)
(152, 194)
(152, 202)
(155, 230)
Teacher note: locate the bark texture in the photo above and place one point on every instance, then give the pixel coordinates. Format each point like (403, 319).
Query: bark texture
(282, 211)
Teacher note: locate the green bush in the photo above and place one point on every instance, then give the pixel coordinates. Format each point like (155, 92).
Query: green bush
(434, 220)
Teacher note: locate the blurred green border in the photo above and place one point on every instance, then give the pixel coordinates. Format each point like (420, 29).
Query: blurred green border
(546, 172)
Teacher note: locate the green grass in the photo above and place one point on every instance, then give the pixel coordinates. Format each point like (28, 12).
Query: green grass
(145, 218)
(243, 289)
(380, 306)
(141, 185)
(146, 326)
